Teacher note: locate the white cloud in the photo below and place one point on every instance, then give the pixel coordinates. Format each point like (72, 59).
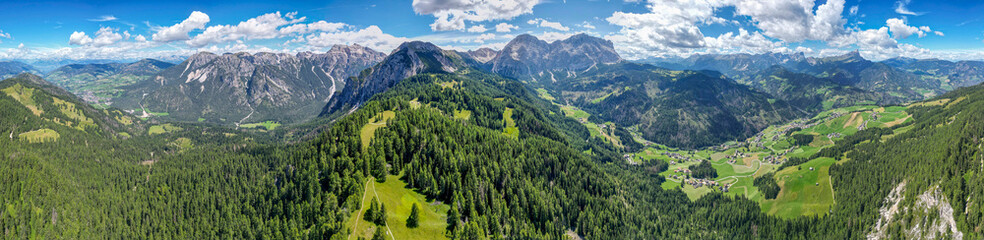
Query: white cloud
(196, 20)
(854, 10)
(741, 42)
(548, 24)
(901, 8)
(106, 36)
(900, 29)
(452, 14)
(319, 26)
(4, 35)
(262, 27)
(505, 27)
(371, 37)
(586, 25)
(485, 37)
(795, 21)
(103, 18)
(477, 29)
(79, 38)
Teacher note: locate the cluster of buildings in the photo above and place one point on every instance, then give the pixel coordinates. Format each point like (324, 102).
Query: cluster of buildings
(700, 182)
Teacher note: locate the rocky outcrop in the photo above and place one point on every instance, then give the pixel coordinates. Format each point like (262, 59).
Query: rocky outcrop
(243, 87)
(527, 57)
(409, 59)
(344, 61)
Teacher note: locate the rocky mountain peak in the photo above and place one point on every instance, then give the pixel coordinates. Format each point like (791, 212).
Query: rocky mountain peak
(527, 57)
(410, 58)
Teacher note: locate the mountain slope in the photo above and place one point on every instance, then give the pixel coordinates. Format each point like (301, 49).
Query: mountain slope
(247, 88)
(10, 69)
(952, 75)
(342, 61)
(812, 94)
(848, 70)
(410, 58)
(99, 83)
(38, 111)
(679, 109)
(529, 58)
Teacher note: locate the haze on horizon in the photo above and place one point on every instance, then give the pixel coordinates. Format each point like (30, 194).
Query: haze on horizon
(640, 29)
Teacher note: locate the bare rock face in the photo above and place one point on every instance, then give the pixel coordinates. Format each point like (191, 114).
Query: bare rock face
(409, 59)
(245, 88)
(527, 57)
(344, 61)
(483, 55)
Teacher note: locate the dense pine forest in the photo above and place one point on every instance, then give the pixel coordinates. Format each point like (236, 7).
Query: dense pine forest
(549, 180)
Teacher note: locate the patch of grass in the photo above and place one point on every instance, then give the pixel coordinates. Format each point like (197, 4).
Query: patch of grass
(25, 96)
(39, 136)
(268, 125)
(511, 128)
(201, 119)
(398, 200)
(183, 143)
(602, 98)
(369, 130)
(450, 84)
(74, 113)
(804, 192)
(462, 114)
(163, 128)
(544, 94)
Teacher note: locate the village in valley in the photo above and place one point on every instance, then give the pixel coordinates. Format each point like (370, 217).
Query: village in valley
(738, 163)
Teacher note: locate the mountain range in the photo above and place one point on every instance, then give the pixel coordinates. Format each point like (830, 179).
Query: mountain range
(536, 141)
(247, 88)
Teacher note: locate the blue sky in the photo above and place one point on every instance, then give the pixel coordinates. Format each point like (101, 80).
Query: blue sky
(127, 30)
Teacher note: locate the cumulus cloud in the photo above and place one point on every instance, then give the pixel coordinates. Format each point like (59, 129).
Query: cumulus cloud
(795, 21)
(371, 37)
(548, 24)
(79, 38)
(452, 14)
(505, 27)
(265, 26)
(319, 26)
(901, 30)
(484, 37)
(477, 29)
(177, 32)
(586, 25)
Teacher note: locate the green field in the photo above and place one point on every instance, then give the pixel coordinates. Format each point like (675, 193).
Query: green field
(511, 129)
(398, 200)
(544, 94)
(268, 125)
(462, 114)
(39, 136)
(369, 130)
(804, 191)
(163, 128)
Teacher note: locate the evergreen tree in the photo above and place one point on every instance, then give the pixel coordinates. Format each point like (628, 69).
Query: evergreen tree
(453, 217)
(379, 234)
(381, 215)
(370, 214)
(412, 221)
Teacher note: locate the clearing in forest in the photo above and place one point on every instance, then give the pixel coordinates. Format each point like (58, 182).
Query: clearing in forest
(39, 136)
(369, 130)
(399, 200)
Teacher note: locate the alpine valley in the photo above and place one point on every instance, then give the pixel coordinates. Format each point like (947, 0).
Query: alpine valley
(537, 139)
